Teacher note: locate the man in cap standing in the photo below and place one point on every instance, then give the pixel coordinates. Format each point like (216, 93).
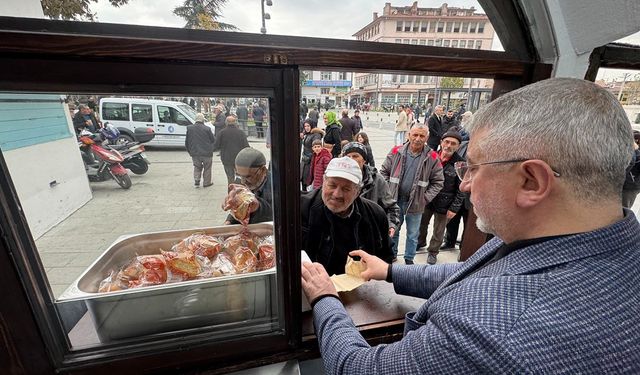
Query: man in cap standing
(448, 201)
(199, 144)
(335, 220)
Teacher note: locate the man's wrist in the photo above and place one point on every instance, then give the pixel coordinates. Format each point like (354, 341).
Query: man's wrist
(389, 277)
(318, 298)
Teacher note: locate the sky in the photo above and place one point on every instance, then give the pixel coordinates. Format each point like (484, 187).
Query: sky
(312, 18)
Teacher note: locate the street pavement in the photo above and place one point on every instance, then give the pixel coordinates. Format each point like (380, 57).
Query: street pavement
(163, 199)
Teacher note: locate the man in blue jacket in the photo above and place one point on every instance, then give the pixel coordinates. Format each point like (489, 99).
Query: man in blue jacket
(556, 289)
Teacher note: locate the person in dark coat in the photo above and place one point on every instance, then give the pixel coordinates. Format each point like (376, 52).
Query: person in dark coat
(447, 202)
(348, 130)
(218, 122)
(258, 117)
(363, 139)
(85, 119)
(252, 170)
(336, 220)
(332, 133)
(314, 116)
(243, 115)
(450, 120)
(436, 127)
(357, 120)
(199, 143)
(308, 136)
(374, 186)
(229, 142)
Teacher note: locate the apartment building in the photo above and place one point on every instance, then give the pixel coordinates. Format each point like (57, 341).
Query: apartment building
(440, 27)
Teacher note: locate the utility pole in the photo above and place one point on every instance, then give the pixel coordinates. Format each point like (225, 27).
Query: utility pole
(265, 16)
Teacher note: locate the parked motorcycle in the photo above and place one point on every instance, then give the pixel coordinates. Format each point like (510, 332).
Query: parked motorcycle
(133, 152)
(102, 164)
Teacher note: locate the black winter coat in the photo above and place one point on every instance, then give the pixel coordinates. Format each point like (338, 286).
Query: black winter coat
(332, 136)
(199, 140)
(450, 198)
(371, 232)
(376, 189)
(436, 130)
(230, 141)
(348, 130)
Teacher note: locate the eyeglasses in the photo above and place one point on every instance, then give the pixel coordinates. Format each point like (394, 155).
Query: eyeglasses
(463, 169)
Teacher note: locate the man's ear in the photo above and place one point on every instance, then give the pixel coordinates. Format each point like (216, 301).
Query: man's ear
(536, 181)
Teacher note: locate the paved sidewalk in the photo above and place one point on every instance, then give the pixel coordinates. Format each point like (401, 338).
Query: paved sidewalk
(162, 199)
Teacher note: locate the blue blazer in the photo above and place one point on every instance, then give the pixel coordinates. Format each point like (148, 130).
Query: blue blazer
(567, 305)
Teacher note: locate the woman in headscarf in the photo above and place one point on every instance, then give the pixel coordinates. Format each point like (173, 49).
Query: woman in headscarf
(332, 133)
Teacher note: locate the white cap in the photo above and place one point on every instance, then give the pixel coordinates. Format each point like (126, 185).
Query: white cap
(346, 168)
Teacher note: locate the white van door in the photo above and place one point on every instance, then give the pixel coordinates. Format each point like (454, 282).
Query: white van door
(142, 116)
(171, 128)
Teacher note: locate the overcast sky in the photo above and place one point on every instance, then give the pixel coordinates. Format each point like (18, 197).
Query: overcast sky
(313, 18)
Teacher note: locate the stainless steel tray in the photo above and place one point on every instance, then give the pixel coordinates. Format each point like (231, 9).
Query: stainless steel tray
(230, 301)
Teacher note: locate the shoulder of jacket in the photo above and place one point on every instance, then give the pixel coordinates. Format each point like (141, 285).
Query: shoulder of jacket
(395, 150)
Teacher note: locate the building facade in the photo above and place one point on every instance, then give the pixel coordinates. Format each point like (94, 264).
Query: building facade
(439, 27)
(328, 89)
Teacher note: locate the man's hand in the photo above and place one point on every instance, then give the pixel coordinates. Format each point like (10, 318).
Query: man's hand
(392, 231)
(233, 201)
(376, 268)
(450, 215)
(316, 281)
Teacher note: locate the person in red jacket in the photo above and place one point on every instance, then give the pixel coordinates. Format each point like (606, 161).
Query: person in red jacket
(319, 161)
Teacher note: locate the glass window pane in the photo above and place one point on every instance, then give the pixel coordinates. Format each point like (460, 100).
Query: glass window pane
(463, 44)
(480, 27)
(448, 27)
(440, 27)
(432, 26)
(423, 26)
(416, 26)
(465, 27)
(472, 27)
(159, 257)
(454, 43)
(430, 42)
(423, 42)
(399, 26)
(446, 43)
(414, 41)
(456, 27)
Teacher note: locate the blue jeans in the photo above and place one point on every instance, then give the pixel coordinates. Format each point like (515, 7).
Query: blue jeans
(399, 138)
(413, 230)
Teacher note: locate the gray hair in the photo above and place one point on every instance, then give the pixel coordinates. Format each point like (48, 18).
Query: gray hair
(577, 127)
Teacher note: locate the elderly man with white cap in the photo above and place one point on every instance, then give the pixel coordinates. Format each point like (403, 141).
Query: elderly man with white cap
(335, 220)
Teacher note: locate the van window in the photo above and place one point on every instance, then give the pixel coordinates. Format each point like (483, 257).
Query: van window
(142, 112)
(188, 110)
(172, 116)
(115, 111)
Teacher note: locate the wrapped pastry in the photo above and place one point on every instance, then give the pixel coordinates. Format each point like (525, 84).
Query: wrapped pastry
(242, 239)
(112, 283)
(244, 260)
(266, 257)
(199, 244)
(183, 264)
(240, 201)
(220, 266)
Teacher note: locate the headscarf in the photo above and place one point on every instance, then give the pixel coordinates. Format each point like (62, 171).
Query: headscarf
(332, 119)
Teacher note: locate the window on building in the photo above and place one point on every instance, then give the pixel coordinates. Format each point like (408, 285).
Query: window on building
(430, 42)
(480, 27)
(342, 76)
(454, 43)
(325, 76)
(456, 27)
(324, 90)
(403, 79)
(472, 27)
(394, 78)
(432, 27)
(416, 26)
(446, 43)
(414, 41)
(470, 44)
(418, 79)
(465, 27)
(423, 26)
(478, 44)
(406, 41)
(463, 44)
(423, 42)
(407, 25)
(399, 26)
(448, 27)
(410, 79)
(440, 27)
(438, 42)
(398, 41)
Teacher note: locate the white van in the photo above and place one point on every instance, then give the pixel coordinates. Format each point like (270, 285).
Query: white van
(168, 119)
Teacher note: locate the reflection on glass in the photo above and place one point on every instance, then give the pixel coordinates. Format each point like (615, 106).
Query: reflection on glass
(131, 246)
